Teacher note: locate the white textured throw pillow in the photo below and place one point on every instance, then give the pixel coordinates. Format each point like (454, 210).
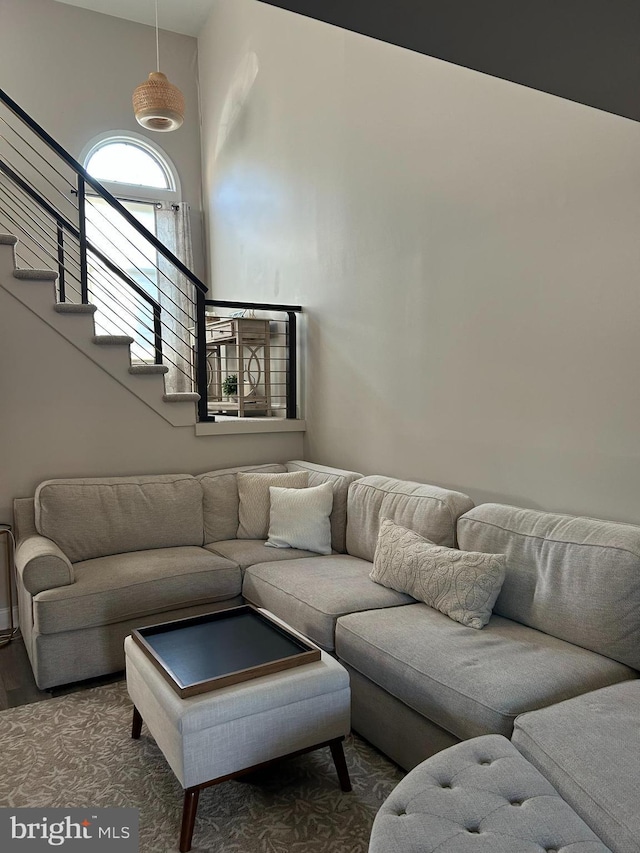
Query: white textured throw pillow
(300, 518)
(463, 585)
(253, 491)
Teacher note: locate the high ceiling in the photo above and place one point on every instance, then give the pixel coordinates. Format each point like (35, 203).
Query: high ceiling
(179, 16)
(583, 50)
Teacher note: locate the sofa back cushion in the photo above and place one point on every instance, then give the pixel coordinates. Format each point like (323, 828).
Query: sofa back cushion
(429, 510)
(221, 502)
(574, 578)
(99, 516)
(255, 499)
(340, 481)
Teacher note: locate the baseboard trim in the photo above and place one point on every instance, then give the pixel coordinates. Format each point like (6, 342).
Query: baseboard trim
(4, 618)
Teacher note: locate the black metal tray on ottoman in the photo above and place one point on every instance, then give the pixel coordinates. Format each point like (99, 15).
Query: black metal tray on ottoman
(218, 649)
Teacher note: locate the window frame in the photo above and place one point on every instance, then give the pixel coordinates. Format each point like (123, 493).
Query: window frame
(126, 193)
(136, 192)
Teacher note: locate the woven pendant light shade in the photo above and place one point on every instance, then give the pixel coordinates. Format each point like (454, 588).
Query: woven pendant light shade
(158, 104)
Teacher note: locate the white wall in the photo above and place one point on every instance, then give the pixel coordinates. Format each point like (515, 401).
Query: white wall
(466, 250)
(60, 415)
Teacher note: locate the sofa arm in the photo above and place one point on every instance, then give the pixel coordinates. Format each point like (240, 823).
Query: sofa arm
(41, 565)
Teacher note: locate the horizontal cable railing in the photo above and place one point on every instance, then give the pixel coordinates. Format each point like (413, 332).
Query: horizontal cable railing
(251, 351)
(68, 222)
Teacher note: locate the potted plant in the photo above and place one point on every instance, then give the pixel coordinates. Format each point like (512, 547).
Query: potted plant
(230, 386)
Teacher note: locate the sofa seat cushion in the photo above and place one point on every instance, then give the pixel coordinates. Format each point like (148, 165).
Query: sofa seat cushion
(588, 749)
(468, 682)
(480, 796)
(247, 552)
(124, 586)
(310, 594)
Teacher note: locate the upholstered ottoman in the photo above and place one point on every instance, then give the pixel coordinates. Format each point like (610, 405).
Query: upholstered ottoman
(479, 796)
(219, 735)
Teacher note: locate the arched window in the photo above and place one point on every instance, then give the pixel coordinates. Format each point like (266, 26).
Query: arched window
(129, 162)
(141, 176)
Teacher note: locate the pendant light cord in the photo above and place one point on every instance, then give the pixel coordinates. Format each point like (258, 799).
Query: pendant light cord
(157, 40)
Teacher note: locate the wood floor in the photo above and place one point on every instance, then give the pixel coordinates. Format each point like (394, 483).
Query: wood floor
(17, 685)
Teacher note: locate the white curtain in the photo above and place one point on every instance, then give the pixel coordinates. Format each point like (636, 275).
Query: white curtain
(176, 297)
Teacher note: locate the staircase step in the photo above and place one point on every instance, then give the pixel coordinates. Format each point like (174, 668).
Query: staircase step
(36, 289)
(8, 240)
(112, 340)
(181, 397)
(74, 308)
(35, 275)
(148, 369)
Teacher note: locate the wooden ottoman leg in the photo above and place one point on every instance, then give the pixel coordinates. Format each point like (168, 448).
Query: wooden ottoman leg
(341, 765)
(189, 810)
(136, 725)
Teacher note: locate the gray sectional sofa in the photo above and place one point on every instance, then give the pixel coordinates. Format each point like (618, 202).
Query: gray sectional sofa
(98, 557)
(556, 669)
(560, 653)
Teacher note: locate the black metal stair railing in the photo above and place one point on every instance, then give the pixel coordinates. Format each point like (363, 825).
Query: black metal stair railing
(22, 217)
(282, 382)
(142, 290)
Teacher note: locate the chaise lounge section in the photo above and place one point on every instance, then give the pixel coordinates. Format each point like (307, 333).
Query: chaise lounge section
(587, 747)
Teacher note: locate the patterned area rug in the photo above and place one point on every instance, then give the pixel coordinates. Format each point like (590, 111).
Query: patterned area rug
(77, 751)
